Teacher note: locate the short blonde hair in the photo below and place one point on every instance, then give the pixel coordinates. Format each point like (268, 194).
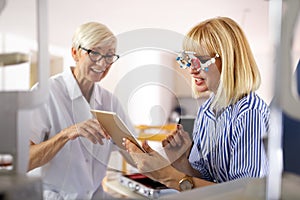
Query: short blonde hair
(90, 34)
(239, 71)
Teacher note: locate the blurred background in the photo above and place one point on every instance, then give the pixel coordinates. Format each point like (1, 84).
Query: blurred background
(164, 22)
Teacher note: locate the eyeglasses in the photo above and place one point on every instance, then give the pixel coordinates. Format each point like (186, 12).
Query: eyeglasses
(187, 59)
(96, 56)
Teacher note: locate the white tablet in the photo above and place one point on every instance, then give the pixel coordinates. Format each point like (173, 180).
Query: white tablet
(115, 127)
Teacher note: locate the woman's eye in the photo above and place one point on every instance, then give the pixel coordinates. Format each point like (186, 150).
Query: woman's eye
(95, 53)
(204, 60)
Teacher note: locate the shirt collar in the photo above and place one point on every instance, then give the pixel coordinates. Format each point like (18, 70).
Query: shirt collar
(75, 92)
(207, 103)
(206, 107)
(71, 84)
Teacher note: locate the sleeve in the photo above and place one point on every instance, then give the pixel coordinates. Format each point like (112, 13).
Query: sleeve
(197, 161)
(39, 124)
(196, 158)
(248, 157)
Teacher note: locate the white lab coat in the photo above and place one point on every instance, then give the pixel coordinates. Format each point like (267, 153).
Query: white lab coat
(76, 172)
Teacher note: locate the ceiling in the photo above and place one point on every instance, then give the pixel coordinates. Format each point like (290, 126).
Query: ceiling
(121, 16)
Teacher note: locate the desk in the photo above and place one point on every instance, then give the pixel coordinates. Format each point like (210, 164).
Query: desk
(246, 189)
(112, 186)
(115, 189)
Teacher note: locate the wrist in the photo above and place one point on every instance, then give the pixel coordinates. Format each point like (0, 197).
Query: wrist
(180, 181)
(65, 136)
(173, 179)
(181, 163)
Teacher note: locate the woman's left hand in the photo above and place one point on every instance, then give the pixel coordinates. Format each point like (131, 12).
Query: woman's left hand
(177, 146)
(151, 164)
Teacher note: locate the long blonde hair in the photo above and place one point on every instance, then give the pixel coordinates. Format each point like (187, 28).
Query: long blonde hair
(239, 71)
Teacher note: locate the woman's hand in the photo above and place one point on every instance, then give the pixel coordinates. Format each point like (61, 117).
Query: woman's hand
(156, 167)
(177, 147)
(90, 129)
(151, 164)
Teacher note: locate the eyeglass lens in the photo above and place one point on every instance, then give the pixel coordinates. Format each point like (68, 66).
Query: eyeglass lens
(96, 57)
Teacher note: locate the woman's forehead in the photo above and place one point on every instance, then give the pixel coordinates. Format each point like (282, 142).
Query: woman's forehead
(200, 51)
(105, 45)
(104, 48)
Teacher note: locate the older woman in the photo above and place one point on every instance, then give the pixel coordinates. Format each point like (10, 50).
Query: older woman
(69, 145)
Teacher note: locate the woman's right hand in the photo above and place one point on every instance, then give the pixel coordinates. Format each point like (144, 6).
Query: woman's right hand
(90, 129)
(177, 146)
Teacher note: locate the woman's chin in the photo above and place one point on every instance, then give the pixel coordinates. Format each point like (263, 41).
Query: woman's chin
(201, 89)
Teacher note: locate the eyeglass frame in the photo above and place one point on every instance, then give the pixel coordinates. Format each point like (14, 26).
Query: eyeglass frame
(102, 56)
(185, 58)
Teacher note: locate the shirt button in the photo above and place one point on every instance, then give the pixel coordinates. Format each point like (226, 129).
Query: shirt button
(87, 160)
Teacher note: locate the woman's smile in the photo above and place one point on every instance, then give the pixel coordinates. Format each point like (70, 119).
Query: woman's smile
(99, 71)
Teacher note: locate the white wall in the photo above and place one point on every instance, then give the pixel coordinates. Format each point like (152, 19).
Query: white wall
(143, 81)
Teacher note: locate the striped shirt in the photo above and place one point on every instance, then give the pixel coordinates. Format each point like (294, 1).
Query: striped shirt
(230, 146)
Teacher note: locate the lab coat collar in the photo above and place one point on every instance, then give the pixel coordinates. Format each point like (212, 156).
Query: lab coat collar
(71, 83)
(96, 95)
(74, 89)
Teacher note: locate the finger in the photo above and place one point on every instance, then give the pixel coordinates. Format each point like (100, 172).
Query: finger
(100, 141)
(179, 127)
(92, 132)
(146, 146)
(85, 133)
(172, 141)
(165, 143)
(184, 135)
(178, 138)
(173, 132)
(131, 147)
(101, 130)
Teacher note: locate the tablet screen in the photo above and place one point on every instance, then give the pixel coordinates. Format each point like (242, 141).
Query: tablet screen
(115, 127)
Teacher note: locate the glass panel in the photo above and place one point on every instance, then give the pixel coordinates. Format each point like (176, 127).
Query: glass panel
(18, 38)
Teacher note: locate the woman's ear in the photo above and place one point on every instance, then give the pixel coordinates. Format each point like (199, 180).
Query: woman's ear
(75, 54)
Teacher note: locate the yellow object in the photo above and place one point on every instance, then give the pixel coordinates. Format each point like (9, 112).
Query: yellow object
(154, 133)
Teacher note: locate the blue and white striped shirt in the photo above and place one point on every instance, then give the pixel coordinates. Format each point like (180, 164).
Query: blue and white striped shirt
(230, 146)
